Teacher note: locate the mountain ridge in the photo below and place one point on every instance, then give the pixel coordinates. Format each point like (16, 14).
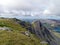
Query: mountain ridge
(43, 32)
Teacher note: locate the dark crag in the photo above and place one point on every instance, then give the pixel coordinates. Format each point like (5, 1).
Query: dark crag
(43, 33)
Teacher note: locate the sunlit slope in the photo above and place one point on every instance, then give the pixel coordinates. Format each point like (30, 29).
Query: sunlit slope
(16, 34)
(11, 24)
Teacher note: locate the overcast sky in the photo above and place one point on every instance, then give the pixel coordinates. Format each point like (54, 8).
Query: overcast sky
(32, 8)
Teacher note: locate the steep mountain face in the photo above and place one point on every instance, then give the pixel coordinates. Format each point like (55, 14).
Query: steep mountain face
(43, 33)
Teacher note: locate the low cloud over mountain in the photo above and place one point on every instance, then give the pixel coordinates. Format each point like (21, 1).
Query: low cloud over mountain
(45, 8)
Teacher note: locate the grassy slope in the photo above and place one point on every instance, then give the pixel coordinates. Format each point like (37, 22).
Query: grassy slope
(56, 33)
(15, 37)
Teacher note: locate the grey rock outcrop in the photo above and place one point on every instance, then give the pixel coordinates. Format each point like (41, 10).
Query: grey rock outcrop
(43, 33)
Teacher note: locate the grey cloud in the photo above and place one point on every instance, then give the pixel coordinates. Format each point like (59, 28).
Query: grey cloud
(35, 7)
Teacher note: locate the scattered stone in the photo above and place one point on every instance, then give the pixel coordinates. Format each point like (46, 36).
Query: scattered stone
(43, 42)
(4, 28)
(27, 33)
